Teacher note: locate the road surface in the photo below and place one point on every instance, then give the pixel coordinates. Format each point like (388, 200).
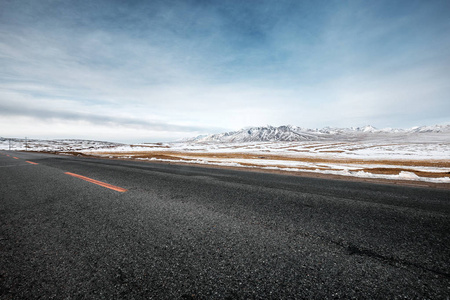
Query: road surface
(84, 228)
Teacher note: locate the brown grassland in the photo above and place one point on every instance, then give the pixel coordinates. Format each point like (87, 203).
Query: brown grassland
(398, 165)
(187, 158)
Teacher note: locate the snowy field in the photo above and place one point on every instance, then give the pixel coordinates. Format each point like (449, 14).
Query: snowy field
(418, 161)
(53, 145)
(406, 161)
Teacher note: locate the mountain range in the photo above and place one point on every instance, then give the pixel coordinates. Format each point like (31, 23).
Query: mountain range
(289, 133)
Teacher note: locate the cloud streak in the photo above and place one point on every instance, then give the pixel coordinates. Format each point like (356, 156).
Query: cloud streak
(49, 115)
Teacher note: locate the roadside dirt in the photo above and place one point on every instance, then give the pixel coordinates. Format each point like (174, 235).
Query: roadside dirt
(196, 155)
(398, 166)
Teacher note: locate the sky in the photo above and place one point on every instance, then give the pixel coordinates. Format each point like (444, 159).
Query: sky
(149, 71)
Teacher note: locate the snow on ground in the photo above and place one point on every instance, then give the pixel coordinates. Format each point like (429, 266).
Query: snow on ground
(351, 150)
(420, 161)
(53, 145)
(336, 169)
(368, 159)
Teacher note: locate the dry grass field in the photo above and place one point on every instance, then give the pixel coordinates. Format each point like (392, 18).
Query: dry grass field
(423, 162)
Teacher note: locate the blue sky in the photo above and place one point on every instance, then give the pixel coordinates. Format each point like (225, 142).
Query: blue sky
(140, 71)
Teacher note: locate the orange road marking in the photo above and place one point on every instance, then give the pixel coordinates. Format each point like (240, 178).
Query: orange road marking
(15, 157)
(30, 162)
(103, 184)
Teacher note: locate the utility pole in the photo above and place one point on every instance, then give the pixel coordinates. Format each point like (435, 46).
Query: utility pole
(26, 144)
(9, 144)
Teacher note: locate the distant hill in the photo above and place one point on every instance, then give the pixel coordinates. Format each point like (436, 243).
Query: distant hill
(53, 145)
(289, 133)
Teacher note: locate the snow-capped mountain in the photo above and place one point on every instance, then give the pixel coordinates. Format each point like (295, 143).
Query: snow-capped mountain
(293, 133)
(267, 133)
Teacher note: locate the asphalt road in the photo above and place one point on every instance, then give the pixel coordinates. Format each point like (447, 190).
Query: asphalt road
(182, 232)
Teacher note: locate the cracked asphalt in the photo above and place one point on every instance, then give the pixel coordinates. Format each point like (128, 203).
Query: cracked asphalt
(184, 232)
